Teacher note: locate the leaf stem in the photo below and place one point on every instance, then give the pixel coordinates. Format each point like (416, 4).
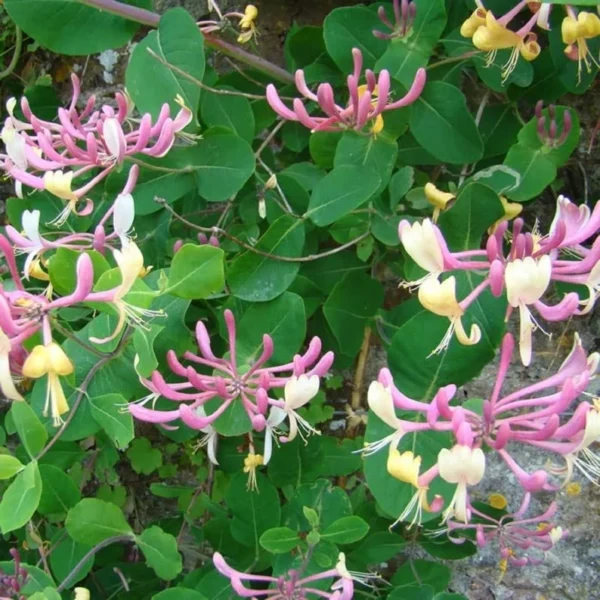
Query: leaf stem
(103, 544)
(219, 231)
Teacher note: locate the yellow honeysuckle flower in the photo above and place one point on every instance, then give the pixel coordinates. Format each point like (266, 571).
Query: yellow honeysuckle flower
(438, 198)
(575, 31)
(247, 24)
(404, 466)
(494, 36)
(50, 360)
(251, 464)
(59, 184)
(511, 211)
(476, 20)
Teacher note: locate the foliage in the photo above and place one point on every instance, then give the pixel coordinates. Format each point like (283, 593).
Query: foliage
(197, 275)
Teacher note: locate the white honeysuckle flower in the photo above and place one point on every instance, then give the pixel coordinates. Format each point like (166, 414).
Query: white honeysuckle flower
(276, 417)
(114, 138)
(30, 221)
(123, 216)
(300, 390)
(15, 144)
(526, 281)
(421, 244)
(7, 385)
(210, 438)
(463, 466)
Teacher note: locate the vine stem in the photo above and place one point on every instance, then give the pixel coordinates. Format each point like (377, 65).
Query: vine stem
(103, 544)
(83, 392)
(152, 19)
(360, 369)
(16, 54)
(218, 230)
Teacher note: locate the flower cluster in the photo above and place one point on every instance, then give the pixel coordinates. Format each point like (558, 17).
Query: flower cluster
(246, 22)
(24, 313)
(366, 106)
(524, 271)
(405, 12)
(228, 381)
(549, 135)
(542, 415)
(11, 586)
(291, 586)
(50, 156)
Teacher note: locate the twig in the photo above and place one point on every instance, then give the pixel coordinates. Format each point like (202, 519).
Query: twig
(82, 392)
(103, 544)
(360, 369)
(478, 116)
(243, 73)
(286, 205)
(68, 334)
(453, 59)
(219, 231)
(268, 139)
(16, 54)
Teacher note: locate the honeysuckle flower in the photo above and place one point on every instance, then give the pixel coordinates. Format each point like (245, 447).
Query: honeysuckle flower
(52, 155)
(81, 593)
(550, 135)
(576, 29)
(494, 35)
(526, 281)
(405, 12)
(525, 269)
(7, 384)
(438, 199)
(522, 541)
(291, 586)
(511, 211)
(123, 216)
(210, 439)
(247, 24)
(440, 299)
(130, 261)
(364, 108)
(50, 360)
(251, 464)
(231, 381)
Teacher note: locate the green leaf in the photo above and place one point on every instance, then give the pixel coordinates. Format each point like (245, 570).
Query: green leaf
(256, 278)
(449, 596)
(160, 551)
(48, 593)
(108, 411)
(378, 547)
(322, 145)
(233, 112)
(422, 572)
(346, 530)
(254, 511)
(400, 184)
(499, 127)
(412, 592)
(441, 122)
(66, 554)
(376, 153)
(9, 466)
(29, 428)
(353, 301)
(21, 499)
(68, 27)
(151, 83)
(63, 273)
(222, 162)
(92, 521)
(341, 191)
(405, 55)
(59, 492)
(144, 459)
(536, 170)
(279, 540)
(196, 272)
(143, 342)
(351, 27)
(476, 208)
(283, 319)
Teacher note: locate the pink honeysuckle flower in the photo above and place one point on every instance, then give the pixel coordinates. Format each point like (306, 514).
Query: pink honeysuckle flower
(292, 585)
(49, 155)
(522, 541)
(366, 105)
(525, 269)
(535, 415)
(404, 17)
(230, 382)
